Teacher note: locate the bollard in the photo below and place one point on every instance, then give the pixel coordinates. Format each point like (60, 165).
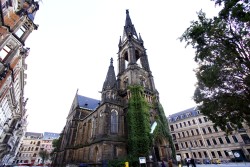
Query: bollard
(126, 164)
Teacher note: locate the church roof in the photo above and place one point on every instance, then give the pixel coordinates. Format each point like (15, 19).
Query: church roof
(110, 81)
(191, 112)
(129, 28)
(88, 103)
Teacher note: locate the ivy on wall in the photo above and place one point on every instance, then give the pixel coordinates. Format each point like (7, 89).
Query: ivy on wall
(138, 119)
(162, 128)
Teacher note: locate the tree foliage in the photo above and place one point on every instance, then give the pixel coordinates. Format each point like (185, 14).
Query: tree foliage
(139, 139)
(222, 46)
(44, 154)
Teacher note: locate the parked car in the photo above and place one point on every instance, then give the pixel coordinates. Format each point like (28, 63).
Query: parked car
(206, 161)
(197, 161)
(216, 161)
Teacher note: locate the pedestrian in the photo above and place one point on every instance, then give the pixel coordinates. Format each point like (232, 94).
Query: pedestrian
(187, 162)
(192, 162)
(170, 163)
(163, 164)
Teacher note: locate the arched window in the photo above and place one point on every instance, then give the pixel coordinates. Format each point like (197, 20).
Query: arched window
(114, 121)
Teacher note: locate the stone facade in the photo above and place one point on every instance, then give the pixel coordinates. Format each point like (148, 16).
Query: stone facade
(96, 130)
(16, 24)
(195, 137)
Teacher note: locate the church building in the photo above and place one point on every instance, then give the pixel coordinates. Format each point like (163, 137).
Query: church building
(97, 130)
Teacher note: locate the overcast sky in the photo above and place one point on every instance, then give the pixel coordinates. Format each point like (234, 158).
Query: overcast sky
(74, 43)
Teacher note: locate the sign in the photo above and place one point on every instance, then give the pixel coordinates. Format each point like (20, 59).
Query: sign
(142, 160)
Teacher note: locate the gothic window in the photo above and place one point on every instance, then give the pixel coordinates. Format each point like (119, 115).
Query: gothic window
(93, 127)
(114, 121)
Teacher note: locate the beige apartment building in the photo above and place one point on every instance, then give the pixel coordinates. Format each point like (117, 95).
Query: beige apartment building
(29, 149)
(195, 137)
(32, 144)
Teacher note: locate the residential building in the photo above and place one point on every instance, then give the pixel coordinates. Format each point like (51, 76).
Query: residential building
(32, 144)
(47, 145)
(29, 149)
(97, 130)
(195, 136)
(16, 24)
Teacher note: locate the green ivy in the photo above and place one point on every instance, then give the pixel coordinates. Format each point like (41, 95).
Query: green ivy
(139, 139)
(162, 128)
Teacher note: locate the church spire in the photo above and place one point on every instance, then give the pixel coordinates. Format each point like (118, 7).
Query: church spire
(110, 81)
(129, 29)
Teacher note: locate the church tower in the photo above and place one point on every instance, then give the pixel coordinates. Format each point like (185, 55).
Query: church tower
(133, 65)
(97, 131)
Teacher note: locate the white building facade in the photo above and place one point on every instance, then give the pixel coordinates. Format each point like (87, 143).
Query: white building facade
(194, 136)
(16, 24)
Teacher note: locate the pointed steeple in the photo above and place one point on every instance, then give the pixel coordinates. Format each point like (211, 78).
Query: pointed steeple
(140, 39)
(129, 29)
(110, 81)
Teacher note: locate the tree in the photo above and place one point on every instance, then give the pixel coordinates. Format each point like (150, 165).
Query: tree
(222, 52)
(44, 154)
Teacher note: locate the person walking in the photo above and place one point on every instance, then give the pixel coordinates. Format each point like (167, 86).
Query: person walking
(192, 162)
(170, 163)
(163, 164)
(187, 162)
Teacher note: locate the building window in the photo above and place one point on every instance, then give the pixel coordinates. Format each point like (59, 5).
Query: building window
(200, 121)
(4, 52)
(205, 119)
(221, 141)
(205, 153)
(191, 144)
(235, 139)
(182, 145)
(176, 146)
(208, 142)
(199, 154)
(209, 129)
(196, 144)
(219, 153)
(187, 133)
(193, 121)
(227, 139)
(183, 134)
(194, 154)
(179, 135)
(192, 132)
(204, 130)
(226, 153)
(186, 144)
(189, 123)
(213, 154)
(197, 131)
(215, 129)
(201, 142)
(185, 124)
(180, 125)
(245, 138)
(114, 121)
(174, 137)
(172, 127)
(176, 126)
(214, 141)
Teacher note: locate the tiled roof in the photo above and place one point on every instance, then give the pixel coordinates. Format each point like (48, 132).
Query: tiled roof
(50, 135)
(88, 103)
(34, 134)
(191, 112)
